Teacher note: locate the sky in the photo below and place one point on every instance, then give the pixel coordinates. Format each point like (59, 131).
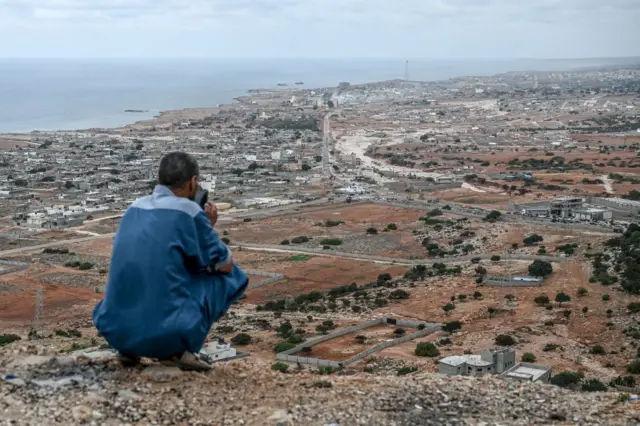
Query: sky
(425, 29)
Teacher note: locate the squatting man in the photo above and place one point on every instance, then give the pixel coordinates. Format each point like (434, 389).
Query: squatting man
(171, 277)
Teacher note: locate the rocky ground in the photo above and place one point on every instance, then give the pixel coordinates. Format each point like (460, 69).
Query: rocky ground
(39, 389)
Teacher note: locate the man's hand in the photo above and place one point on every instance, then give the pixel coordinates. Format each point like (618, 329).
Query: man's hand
(226, 269)
(212, 211)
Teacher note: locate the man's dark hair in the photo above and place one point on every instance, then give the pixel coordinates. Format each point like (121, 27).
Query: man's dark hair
(176, 169)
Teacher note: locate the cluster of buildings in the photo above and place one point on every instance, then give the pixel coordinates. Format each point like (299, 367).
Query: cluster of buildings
(499, 361)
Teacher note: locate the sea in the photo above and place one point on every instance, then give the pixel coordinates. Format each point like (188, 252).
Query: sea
(72, 94)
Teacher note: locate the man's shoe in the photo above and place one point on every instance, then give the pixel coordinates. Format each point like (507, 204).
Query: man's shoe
(128, 360)
(190, 362)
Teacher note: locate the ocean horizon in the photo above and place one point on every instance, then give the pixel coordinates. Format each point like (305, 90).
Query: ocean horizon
(74, 94)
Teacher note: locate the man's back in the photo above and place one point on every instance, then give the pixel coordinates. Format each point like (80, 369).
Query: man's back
(155, 296)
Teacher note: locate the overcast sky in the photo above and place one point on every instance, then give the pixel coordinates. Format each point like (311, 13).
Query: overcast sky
(320, 28)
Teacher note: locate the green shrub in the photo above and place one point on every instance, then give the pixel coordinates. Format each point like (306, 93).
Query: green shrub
(567, 379)
(597, 350)
(85, 266)
(280, 366)
(406, 370)
(283, 346)
(331, 242)
(528, 357)
(634, 367)
(427, 349)
(505, 340)
(241, 339)
(392, 227)
(593, 385)
(5, 339)
(285, 242)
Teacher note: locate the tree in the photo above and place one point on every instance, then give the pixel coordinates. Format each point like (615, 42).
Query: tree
(542, 300)
(605, 297)
(597, 350)
(330, 104)
(305, 167)
(492, 311)
(477, 295)
(567, 379)
(634, 367)
(510, 297)
(360, 339)
(241, 339)
(562, 297)
(452, 326)
(372, 231)
(253, 166)
(399, 331)
(505, 340)
(528, 357)
(392, 227)
(492, 216)
(68, 185)
(448, 308)
(540, 268)
(280, 366)
(532, 239)
(593, 385)
(495, 258)
(582, 292)
(427, 349)
(634, 307)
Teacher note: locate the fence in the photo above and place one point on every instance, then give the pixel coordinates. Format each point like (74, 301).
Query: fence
(271, 277)
(289, 357)
(513, 281)
(10, 266)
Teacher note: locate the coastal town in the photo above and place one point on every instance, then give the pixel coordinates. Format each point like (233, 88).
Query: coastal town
(394, 228)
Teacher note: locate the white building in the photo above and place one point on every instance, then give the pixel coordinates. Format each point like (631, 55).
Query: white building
(219, 350)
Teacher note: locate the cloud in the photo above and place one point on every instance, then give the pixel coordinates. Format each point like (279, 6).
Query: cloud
(342, 28)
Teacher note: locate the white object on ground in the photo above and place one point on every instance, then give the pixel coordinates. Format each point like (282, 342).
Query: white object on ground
(471, 187)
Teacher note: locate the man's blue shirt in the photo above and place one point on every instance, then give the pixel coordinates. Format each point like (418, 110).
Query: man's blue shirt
(158, 299)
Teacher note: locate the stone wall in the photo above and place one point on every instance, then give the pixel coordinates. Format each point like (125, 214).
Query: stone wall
(10, 266)
(270, 277)
(290, 357)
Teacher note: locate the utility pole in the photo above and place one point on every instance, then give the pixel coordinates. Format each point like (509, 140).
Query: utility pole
(406, 71)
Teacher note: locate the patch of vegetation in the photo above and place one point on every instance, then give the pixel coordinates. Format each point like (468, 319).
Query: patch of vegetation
(53, 250)
(567, 379)
(331, 242)
(283, 346)
(540, 268)
(532, 239)
(567, 249)
(299, 258)
(549, 347)
(241, 339)
(406, 370)
(505, 340)
(280, 366)
(493, 216)
(5, 339)
(593, 385)
(427, 349)
(300, 240)
(528, 357)
(285, 242)
(542, 300)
